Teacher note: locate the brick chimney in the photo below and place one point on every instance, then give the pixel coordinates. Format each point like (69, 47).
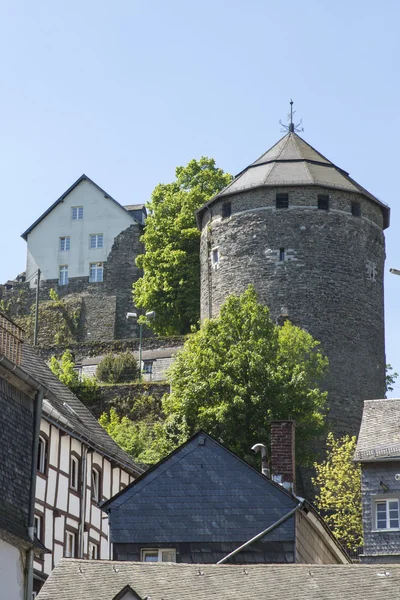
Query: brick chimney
(282, 454)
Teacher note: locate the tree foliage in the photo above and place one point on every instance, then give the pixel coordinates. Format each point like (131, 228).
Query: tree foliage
(137, 438)
(118, 368)
(338, 479)
(170, 285)
(86, 388)
(390, 378)
(239, 372)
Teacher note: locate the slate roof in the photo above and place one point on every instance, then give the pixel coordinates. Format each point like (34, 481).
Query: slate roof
(379, 437)
(204, 492)
(67, 411)
(103, 580)
(292, 162)
(65, 194)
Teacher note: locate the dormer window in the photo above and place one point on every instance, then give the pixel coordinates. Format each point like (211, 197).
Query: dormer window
(282, 201)
(77, 213)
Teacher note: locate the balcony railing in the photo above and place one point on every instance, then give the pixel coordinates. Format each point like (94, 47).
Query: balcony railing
(11, 338)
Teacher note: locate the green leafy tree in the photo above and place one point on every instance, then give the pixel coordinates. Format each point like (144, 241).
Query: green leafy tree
(170, 285)
(118, 368)
(239, 372)
(391, 377)
(86, 389)
(140, 439)
(338, 480)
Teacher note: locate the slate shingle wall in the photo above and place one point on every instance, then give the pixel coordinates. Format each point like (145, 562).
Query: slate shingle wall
(201, 494)
(211, 553)
(330, 283)
(379, 545)
(16, 425)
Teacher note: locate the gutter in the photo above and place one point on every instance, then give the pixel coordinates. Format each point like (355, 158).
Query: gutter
(263, 533)
(31, 531)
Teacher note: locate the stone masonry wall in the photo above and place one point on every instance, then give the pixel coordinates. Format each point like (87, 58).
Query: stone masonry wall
(329, 283)
(104, 304)
(379, 546)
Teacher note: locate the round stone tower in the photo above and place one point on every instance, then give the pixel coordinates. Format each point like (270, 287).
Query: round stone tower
(311, 241)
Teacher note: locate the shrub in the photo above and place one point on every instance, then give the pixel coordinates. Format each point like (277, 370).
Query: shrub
(118, 368)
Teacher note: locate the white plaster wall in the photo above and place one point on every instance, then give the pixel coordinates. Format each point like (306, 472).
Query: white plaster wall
(62, 495)
(11, 572)
(100, 215)
(54, 442)
(65, 453)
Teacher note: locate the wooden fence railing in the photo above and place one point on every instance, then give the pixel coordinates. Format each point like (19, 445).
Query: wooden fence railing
(11, 338)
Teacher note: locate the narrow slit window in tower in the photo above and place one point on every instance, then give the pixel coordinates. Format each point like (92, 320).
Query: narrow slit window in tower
(323, 202)
(282, 201)
(215, 258)
(356, 209)
(281, 254)
(226, 209)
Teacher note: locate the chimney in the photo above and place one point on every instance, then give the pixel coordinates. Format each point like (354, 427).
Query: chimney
(282, 454)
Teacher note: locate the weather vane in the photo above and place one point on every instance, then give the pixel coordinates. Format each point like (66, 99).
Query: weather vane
(291, 128)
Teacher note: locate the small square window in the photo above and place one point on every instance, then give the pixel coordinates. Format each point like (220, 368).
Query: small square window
(63, 275)
(282, 201)
(96, 272)
(356, 209)
(96, 240)
(323, 202)
(226, 209)
(77, 213)
(64, 244)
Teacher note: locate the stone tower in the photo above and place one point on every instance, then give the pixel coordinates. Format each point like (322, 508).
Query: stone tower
(311, 241)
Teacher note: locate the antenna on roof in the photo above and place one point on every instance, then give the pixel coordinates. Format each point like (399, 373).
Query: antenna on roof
(291, 128)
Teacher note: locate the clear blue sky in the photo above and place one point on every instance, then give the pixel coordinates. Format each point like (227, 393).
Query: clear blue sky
(124, 91)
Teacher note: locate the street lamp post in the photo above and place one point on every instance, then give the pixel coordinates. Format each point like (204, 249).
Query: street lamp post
(132, 315)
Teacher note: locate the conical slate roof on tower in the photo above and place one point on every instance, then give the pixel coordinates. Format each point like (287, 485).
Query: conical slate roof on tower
(293, 162)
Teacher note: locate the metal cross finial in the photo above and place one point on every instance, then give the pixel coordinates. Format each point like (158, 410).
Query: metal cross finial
(291, 128)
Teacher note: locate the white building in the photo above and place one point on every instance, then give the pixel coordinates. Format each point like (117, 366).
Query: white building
(78, 467)
(74, 237)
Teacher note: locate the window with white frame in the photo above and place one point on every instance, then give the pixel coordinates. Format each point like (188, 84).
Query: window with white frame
(96, 485)
(158, 555)
(148, 367)
(70, 544)
(96, 272)
(93, 551)
(96, 240)
(63, 275)
(37, 525)
(42, 455)
(215, 258)
(65, 243)
(74, 473)
(77, 213)
(387, 513)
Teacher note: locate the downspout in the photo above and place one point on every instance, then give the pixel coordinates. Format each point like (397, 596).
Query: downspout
(110, 545)
(265, 532)
(31, 516)
(83, 502)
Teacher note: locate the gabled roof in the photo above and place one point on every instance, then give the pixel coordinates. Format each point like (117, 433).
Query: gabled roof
(65, 194)
(102, 579)
(292, 162)
(204, 492)
(67, 412)
(379, 437)
(127, 593)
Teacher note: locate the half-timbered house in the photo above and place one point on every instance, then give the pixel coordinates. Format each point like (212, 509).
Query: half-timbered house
(78, 466)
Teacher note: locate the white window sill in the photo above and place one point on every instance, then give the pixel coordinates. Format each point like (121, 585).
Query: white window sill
(385, 530)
